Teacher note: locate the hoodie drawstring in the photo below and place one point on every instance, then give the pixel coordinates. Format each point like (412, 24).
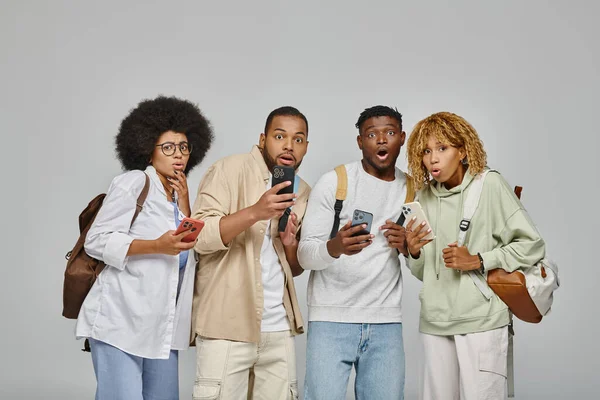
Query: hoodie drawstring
(437, 249)
(437, 222)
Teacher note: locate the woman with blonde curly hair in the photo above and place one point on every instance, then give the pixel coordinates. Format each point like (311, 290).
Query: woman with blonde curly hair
(464, 334)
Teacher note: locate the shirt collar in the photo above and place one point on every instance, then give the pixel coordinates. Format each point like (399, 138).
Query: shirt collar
(151, 172)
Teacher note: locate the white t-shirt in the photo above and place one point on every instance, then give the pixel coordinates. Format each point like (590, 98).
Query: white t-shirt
(273, 280)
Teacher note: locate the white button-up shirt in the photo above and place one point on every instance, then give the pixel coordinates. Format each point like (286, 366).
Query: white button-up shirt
(133, 304)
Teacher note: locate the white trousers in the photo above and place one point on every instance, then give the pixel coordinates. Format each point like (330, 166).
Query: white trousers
(227, 370)
(465, 367)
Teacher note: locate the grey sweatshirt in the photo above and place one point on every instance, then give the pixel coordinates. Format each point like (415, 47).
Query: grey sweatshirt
(365, 287)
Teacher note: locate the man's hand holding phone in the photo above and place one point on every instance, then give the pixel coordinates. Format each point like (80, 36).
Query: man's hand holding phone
(396, 236)
(271, 204)
(345, 243)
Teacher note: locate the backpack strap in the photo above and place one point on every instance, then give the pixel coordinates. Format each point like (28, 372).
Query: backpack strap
(139, 204)
(469, 208)
(340, 195)
(510, 364)
(410, 189)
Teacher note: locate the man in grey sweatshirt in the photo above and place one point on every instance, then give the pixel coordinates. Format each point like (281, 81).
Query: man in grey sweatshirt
(355, 284)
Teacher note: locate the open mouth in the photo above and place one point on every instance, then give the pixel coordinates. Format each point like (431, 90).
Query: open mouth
(287, 159)
(179, 166)
(382, 155)
(436, 172)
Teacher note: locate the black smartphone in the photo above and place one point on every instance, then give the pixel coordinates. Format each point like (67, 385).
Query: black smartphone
(362, 217)
(282, 174)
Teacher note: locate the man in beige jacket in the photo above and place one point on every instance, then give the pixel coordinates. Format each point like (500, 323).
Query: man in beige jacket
(245, 310)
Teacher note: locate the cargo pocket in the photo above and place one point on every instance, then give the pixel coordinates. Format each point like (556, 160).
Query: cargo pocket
(294, 390)
(492, 381)
(494, 363)
(207, 389)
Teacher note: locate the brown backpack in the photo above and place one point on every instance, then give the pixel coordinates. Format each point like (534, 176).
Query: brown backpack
(82, 270)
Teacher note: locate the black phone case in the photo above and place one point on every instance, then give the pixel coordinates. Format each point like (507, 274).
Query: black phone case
(282, 174)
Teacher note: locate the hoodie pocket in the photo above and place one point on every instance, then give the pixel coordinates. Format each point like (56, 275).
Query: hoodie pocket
(469, 301)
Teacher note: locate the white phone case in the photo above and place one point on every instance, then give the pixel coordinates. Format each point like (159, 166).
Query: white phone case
(414, 209)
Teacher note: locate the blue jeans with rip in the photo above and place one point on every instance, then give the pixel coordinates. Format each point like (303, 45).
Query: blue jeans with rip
(375, 350)
(122, 376)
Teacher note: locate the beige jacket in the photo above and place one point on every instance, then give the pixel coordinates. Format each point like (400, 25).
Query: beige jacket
(228, 295)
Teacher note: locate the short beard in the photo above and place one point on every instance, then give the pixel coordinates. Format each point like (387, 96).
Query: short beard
(272, 162)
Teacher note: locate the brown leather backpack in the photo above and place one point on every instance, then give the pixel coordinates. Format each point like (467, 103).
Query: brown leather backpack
(82, 270)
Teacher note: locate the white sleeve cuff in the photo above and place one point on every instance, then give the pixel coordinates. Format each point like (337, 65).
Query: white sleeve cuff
(115, 251)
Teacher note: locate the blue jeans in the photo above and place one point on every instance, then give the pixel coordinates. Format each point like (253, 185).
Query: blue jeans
(122, 376)
(375, 350)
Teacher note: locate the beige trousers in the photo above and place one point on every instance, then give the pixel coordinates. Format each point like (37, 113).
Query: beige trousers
(465, 367)
(231, 370)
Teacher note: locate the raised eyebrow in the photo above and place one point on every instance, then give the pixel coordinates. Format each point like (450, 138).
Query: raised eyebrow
(387, 126)
(284, 131)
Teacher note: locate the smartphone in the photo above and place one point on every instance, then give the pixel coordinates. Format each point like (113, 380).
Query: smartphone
(362, 217)
(282, 174)
(414, 209)
(194, 225)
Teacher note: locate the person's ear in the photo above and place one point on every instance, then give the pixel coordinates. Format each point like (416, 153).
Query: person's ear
(463, 155)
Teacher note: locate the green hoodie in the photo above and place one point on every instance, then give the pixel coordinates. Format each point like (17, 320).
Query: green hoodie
(500, 230)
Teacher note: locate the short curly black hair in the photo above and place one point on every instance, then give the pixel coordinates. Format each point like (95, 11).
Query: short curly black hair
(140, 130)
(378, 111)
(285, 111)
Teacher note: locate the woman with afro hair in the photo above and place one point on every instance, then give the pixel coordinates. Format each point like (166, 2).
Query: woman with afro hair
(137, 314)
(463, 324)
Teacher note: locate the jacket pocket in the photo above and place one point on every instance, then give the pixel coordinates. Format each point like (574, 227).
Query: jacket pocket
(207, 389)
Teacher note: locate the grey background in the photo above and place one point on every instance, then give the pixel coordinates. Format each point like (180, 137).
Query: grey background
(524, 73)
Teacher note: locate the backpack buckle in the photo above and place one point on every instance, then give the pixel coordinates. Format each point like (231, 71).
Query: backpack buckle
(464, 225)
(338, 205)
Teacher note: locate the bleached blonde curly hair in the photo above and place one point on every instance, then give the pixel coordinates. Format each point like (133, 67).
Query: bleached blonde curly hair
(447, 128)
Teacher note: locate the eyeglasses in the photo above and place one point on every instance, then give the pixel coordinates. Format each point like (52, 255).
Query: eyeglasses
(169, 148)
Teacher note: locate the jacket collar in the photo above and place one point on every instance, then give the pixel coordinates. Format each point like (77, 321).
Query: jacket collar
(260, 161)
